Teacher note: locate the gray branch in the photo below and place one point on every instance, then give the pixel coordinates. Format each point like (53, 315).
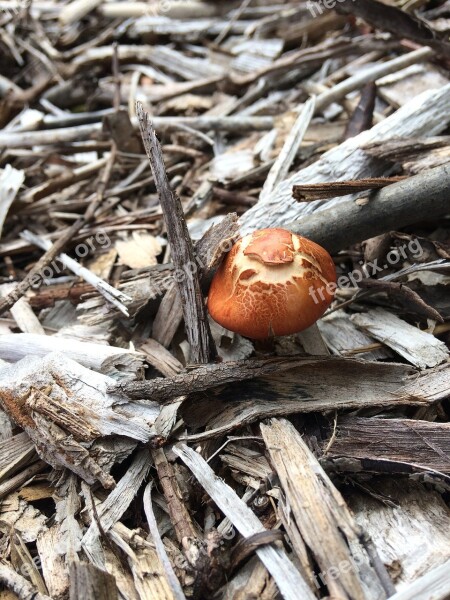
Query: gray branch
(395, 206)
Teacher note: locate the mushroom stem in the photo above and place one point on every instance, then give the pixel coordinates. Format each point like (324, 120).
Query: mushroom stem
(265, 346)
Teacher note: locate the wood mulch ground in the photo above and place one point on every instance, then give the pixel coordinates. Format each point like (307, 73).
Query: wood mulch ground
(145, 451)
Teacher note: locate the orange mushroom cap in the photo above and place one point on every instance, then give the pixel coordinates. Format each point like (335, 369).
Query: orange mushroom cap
(272, 282)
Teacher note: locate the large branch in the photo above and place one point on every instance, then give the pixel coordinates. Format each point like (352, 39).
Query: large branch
(400, 23)
(163, 389)
(395, 206)
(202, 378)
(422, 116)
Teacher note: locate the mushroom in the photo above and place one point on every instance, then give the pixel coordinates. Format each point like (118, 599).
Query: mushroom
(272, 282)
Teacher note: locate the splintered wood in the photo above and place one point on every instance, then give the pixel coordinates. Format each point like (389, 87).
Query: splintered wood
(147, 453)
(315, 510)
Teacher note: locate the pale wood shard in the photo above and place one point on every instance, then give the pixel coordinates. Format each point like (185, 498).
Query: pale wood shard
(168, 317)
(121, 569)
(5, 422)
(60, 545)
(432, 384)
(319, 512)
(288, 579)
(417, 347)
(230, 346)
(312, 341)
(175, 586)
(112, 509)
(183, 9)
(148, 574)
(66, 411)
(160, 25)
(395, 510)
(16, 481)
(52, 562)
(15, 453)
(25, 317)
(22, 517)
(110, 360)
(10, 181)
(394, 88)
(342, 337)
(246, 461)
(435, 584)
(166, 422)
(22, 313)
(19, 585)
(67, 507)
(280, 168)
(23, 562)
(252, 580)
(160, 358)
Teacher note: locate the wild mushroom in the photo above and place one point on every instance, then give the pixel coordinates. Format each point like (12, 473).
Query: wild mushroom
(272, 282)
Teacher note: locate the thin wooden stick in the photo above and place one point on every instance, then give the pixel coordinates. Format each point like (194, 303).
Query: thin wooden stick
(289, 581)
(331, 189)
(76, 10)
(225, 31)
(355, 82)
(115, 297)
(172, 580)
(236, 124)
(22, 287)
(281, 166)
(195, 317)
